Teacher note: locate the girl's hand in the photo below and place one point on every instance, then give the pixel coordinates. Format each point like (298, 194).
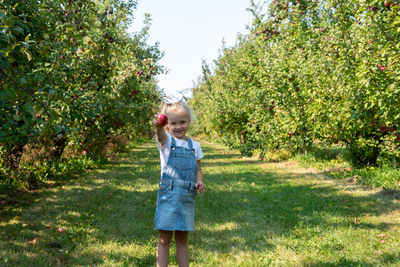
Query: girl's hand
(160, 120)
(161, 135)
(199, 187)
(156, 123)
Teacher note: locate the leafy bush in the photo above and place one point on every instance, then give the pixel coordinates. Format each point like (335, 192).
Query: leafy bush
(308, 70)
(72, 76)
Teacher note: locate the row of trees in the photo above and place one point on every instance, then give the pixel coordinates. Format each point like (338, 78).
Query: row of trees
(72, 79)
(309, 70)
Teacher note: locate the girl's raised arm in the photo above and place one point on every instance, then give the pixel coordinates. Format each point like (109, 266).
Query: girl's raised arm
(161, 134)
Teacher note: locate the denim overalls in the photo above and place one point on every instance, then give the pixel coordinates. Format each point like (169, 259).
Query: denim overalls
(175, 199)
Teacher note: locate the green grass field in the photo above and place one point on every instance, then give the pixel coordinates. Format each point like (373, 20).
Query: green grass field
(253, 213)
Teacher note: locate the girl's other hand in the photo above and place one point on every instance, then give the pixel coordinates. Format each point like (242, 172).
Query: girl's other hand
(199, 187)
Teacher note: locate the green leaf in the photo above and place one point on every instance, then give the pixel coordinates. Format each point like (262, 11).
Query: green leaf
(4, 63)
(40, 78)
(29, 108)
(17, 117)
(25, 44)
(18, 29)
(397, 21)
(59, 129)
(10, 92)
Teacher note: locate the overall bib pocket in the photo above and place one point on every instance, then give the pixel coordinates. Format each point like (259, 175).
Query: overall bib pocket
(182, 161)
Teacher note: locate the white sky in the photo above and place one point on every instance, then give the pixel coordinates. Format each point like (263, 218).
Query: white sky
(189, 31)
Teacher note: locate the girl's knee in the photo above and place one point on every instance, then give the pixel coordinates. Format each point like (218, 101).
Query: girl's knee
(181, 237)
(165, 237)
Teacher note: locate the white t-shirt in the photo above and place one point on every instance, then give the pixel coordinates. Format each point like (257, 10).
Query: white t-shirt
(165, 150)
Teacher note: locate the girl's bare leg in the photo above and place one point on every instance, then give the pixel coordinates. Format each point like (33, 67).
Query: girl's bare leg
(182, 248)
(164, 240)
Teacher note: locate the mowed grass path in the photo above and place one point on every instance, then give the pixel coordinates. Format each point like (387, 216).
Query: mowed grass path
(252, 214)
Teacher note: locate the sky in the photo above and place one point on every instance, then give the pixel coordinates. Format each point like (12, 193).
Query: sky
(189, 31)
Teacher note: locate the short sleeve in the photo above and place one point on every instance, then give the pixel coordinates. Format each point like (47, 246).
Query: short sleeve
(198, 152)
(164, 151)
(167, 144)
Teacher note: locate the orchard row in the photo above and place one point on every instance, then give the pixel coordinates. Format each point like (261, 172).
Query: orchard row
(326, 71)
(72, 79)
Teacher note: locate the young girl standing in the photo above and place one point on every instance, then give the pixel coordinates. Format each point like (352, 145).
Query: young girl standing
(181, 178)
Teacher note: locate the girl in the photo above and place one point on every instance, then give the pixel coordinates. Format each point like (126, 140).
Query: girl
(181, 178)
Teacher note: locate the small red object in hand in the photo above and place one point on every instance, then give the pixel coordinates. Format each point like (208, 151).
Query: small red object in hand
(162, 119)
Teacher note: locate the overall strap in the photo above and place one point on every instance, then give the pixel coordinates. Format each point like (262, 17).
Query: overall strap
(173, 143)
(190, 144)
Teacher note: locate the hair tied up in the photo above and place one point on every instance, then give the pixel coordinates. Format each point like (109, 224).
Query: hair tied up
(169, 100)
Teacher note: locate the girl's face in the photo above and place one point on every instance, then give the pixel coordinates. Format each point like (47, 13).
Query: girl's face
(178, 123)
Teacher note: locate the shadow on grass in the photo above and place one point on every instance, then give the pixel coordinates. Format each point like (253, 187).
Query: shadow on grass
(321, 153)
(243, 210)
(53, 226)
(256, 207)
(387, 260)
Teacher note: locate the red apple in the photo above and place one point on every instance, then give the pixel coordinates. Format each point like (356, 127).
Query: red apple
(162, 119)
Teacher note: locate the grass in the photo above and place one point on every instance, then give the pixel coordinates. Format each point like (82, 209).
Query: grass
(336, 163)
(253, 214)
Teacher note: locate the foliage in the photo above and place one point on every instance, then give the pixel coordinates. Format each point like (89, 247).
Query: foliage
(308, 70)
(71, 75)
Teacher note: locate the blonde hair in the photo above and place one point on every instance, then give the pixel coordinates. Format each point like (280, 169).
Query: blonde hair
(181, 104)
